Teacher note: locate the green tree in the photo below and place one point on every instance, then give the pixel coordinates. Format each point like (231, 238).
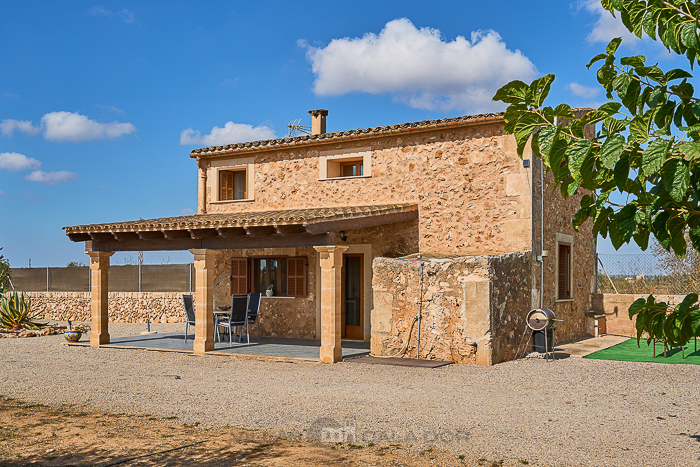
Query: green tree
(647, 149)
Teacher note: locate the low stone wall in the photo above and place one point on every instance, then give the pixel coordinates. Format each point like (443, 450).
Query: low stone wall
(616, 306)
(471, 306)
(124, 307)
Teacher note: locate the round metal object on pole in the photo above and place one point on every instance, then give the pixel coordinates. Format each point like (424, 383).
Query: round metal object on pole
(540, 319)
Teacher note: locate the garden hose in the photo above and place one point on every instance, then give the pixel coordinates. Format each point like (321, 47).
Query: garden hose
(405, 346)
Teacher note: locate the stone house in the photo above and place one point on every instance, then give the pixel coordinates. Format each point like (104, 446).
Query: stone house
(347, 229)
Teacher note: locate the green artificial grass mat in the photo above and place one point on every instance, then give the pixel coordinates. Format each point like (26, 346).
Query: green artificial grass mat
(628, 351)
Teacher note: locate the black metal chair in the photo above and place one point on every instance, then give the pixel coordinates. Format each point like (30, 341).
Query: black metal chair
(189, 310)
(237, 317)
(253, 312)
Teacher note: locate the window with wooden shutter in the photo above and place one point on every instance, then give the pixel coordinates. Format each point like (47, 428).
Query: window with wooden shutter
(239, 276)
(296, 277)
(232, 185)
(564, 279)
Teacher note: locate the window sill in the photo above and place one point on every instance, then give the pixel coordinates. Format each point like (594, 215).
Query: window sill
(279, 296)
(231, 201)
(563, 300)
(344, 178)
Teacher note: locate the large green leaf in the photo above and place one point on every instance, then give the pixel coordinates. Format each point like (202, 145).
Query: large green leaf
(576, 153)
(621, 171)
(625, 226)
(676, 178)
(654, 156)
(611, 150)
(514, 92)
(524, 128)
(676, 230)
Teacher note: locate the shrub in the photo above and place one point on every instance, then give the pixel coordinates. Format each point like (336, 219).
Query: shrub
(16, 312)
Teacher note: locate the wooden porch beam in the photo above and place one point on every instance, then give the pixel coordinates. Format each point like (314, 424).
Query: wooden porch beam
(199, 234)
(214, 243)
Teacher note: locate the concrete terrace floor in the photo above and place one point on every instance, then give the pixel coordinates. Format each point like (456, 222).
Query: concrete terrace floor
(278, 347)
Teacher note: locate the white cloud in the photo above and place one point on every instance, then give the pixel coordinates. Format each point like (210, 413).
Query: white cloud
(607, 26)
(418, 67)
(51, 178)
(7, 127)
(582, 91)
(10, 95)
(127, 16)
(14, 162)
(231, 133)
(111, 108)
(186, 211)
(99, 11)
(69, 126)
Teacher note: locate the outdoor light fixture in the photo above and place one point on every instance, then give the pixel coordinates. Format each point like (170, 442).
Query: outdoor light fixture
(343, 237)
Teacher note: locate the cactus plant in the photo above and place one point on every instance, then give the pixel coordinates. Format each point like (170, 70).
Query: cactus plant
(16, 312)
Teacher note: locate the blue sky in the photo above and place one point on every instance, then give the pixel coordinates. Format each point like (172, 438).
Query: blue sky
(101, 102)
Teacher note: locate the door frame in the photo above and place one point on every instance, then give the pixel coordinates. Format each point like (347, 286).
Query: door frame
(357, 333)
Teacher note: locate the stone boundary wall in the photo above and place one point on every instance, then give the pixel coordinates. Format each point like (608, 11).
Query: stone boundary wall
(472, 306)
(124, 307)
(616, 306)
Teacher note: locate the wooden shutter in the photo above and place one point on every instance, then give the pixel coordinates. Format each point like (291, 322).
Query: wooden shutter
(239, 276)
(564, 278)
(225, 185)
(296, 277)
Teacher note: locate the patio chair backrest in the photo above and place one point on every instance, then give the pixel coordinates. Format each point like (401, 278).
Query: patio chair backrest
(239, 305)
(253, 306)
(189, 308)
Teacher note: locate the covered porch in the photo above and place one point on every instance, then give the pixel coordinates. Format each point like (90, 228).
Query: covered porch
(207, 234)
(273, 348)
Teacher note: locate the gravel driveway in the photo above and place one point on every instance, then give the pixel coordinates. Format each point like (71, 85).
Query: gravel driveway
(570, 412)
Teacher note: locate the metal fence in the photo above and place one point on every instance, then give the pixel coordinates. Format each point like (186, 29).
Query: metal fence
(644, 274)
(143, 278)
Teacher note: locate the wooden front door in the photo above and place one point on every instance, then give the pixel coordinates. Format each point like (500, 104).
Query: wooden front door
(353, 297)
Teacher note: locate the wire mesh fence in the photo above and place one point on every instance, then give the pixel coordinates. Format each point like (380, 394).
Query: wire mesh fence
(130, 278)
(645, 274)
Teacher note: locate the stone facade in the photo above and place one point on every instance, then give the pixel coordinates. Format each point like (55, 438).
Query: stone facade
(470, 185)
(124, 307)
(279, 316)
(472, 308)
(478, 203)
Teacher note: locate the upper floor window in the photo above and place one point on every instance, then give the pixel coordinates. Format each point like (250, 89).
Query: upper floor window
(345, 163)
(232, 185)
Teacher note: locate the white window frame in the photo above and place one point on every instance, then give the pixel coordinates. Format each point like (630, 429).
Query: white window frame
(240, 165)
(329, 160)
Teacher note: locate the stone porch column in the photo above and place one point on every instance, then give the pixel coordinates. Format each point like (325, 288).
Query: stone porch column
(331, 264)
(204, 300)
(99, 297)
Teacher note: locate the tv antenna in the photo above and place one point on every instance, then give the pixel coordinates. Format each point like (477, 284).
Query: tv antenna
(295, 127)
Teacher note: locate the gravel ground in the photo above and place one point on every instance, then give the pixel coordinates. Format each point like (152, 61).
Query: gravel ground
(570, 412)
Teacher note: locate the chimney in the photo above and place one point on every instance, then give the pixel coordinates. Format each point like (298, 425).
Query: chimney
(318, 121)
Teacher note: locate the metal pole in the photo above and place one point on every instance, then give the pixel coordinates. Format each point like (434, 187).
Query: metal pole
(420, 304)
(606, 273)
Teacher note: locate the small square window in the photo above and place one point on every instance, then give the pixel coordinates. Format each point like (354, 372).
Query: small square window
(232, 185)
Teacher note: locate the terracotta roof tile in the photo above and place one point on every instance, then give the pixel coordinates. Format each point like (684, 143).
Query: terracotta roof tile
(344, 135)
(243, 219)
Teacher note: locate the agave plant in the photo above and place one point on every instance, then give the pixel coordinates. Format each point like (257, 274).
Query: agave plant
(16, 312)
